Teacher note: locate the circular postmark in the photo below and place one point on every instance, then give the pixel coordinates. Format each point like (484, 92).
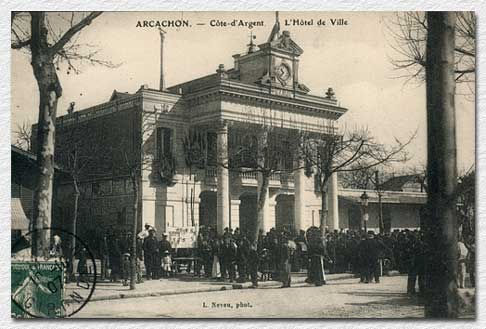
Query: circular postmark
(44, 287)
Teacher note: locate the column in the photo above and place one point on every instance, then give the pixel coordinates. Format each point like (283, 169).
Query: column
(332, 201)
(223, 199)
(299, 196)
(235, 214)
(271, 219)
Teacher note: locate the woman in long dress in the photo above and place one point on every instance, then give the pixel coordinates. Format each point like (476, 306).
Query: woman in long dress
(317, 255)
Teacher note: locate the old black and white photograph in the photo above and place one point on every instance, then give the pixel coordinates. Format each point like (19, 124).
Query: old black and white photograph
(243, 164)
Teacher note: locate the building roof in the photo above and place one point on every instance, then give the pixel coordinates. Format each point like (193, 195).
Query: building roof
(397, 183)
(119, 95)
(388, 197)
(23, 153)
(27, 158)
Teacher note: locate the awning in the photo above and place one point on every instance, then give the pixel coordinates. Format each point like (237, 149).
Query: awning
(19, 219)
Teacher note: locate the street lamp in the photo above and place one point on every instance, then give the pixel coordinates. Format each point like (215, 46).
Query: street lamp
(364, 205)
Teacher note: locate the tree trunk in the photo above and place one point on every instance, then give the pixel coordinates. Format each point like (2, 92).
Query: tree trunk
(133, 259)
(75, 214)
(49, 93)
(380, 214)
(45, 159)
(441, 223)
(381, 225)
(323, 217)
(262, 198)
(74, 225)
(323, 180)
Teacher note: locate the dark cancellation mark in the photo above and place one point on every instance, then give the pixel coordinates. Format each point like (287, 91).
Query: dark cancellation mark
(39, 288)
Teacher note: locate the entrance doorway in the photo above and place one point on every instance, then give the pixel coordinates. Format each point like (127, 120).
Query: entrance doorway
(284, 213)
(208, 209)
(248, 213)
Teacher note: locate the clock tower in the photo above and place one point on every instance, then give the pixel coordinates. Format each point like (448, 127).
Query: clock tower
(275, 65)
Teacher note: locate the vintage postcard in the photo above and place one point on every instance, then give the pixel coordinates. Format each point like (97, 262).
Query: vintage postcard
(243, 164)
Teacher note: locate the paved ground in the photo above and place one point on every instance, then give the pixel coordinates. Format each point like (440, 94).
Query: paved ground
(183, 283)
(339, 299)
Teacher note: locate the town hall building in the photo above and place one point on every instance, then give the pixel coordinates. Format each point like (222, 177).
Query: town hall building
(145, 134)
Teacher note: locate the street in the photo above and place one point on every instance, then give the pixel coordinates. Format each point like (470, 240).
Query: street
(339, 299)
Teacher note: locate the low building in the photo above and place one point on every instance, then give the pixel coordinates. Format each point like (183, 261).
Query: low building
(23, 177)
(24, 168)
(403, 200)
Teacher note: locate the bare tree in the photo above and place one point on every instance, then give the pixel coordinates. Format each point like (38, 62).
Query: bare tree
(264, 149)
(466, 193)
(51, 41)
(194, 146)
(358, 178)
(23, 135)
(78, 154)
(409, 33)
(137, 154)
(354, 151)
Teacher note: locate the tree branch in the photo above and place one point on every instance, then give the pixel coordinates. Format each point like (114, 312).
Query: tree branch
(58, 46)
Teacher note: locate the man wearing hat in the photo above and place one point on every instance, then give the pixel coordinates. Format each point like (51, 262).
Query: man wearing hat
(371, 249)
(283, 257)
(145, 232)
(151, 252)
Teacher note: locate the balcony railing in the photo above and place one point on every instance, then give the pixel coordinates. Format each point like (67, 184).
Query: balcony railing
(209, 175)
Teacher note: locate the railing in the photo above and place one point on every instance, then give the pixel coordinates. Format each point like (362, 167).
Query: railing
(98, 110)
(248, 176)
(211, 172)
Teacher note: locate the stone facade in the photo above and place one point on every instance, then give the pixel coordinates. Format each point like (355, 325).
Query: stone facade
(150, 125)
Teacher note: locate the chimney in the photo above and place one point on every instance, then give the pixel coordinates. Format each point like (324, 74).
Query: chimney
(162, 37)
(237, 61)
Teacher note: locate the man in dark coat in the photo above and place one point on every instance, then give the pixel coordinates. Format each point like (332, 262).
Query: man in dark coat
(151, 253)
(284, 267)
(114, 257)
(253, 262)
(317, 255)
(417, 265)
(371, 249)
(242, 254)
(228, 253)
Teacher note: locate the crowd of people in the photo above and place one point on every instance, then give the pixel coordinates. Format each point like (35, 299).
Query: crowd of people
(232, 256)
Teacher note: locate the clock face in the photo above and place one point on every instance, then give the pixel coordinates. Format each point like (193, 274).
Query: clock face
(283, 73)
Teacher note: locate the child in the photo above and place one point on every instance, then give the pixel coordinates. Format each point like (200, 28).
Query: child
(126, 268)
(167, 263)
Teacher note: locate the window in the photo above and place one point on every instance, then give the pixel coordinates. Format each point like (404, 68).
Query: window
(105, 187)
(211, 149)
(164, 142)
(119, 186)
(286, 160)
(95, 189)
(86, 190)
(122, 216)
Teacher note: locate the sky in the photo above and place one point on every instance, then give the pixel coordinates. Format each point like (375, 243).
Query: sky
(353, 59)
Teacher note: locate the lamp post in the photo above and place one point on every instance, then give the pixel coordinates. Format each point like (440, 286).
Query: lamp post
(364, 206)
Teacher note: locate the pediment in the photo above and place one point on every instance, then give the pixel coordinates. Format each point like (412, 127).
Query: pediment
(287, 44)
